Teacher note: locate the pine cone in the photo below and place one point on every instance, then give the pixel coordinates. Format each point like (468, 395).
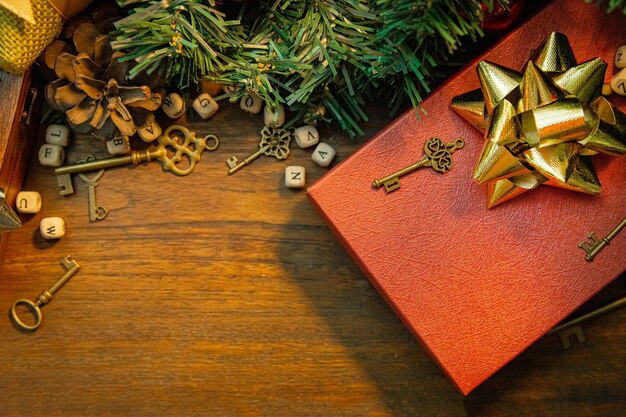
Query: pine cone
(90, 89)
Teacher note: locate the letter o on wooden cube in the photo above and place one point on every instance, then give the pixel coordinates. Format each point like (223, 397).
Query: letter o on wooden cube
(306, 136)
(150, 132)
(251, 103)
(620, 57)
(51, 155)
(58, 135)
(52, 227)
(118, 146)
(28, 202)
(275, 117)
(295, 176)
(205, 106)
(173, 105)
(618, 83)
(323, 154)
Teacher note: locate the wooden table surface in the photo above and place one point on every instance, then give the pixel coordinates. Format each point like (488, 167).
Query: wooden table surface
(216, 295)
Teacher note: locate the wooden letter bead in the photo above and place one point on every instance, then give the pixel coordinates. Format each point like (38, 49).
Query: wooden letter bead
(323, 154)
(294, 176)
(306, 136)
(205, 105)
(251, 103)
(274, 118)
(150, 132)
(28, 202)
(51, 155)
(58, 135)
(173, 105)
(618, 83)
(52, 227)
(118, 146)
(230, 88)
(620, 57)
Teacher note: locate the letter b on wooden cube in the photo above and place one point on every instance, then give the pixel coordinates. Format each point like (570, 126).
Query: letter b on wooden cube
(52, 227)
(28, 202)
(118, 146)
(294, 177)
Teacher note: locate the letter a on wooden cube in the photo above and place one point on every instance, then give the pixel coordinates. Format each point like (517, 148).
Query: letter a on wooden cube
(52, 227)
(295, 176)
(323, 154)
(51, 155)
(205, 106)
(306, 136)
(58, 135)
(28, 202)
(150, 132)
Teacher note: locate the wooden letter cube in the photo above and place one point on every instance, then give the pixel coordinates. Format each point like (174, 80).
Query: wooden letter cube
(52, 227)
(294, 176)
(251, 103)
(173, 105)
(306, 136)
(618, 83)
(620, 57)
(323, 154)
(150, 132)
(51, 155)
(118, 146)
(28, 202)
(58, 135)
(274, 118)
(205, 105)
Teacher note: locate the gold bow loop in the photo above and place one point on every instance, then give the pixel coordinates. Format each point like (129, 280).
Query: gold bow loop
(24, 10)
(543, 125)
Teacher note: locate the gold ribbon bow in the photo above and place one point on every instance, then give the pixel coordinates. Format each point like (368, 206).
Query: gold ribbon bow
(23, 8)
(542, 126)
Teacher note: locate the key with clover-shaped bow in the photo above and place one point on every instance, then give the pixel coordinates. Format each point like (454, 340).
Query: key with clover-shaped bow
(274, 142)
(437, 155)
(179, 151)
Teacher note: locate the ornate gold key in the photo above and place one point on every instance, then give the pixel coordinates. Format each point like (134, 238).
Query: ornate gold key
(593, 246)
(274, 142)
(437, 155)
(170, 152)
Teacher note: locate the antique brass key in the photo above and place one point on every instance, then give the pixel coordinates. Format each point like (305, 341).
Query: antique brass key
(169, 152)
(593, 246)
(574, 328)
(438, 156)
(96, 212)
(274, 142)
(44, 298)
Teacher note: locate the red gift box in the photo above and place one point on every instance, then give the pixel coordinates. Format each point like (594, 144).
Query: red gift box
(477, 286)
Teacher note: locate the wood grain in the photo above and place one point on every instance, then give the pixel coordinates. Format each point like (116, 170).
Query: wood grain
(211, 295)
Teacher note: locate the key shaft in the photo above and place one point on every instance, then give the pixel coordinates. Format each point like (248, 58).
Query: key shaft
(395, 177)
(135, 158)
(46, 295)
(248, 160)
(591, 315)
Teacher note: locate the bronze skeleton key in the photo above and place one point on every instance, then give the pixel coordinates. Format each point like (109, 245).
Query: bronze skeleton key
(438, 156)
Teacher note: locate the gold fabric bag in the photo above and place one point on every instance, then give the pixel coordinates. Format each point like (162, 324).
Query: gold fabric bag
(28, 26)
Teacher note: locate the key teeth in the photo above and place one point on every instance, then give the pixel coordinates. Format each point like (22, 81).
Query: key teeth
(232, 162)
(68, 263)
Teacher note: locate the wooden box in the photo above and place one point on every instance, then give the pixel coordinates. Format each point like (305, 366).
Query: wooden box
(19, 121)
